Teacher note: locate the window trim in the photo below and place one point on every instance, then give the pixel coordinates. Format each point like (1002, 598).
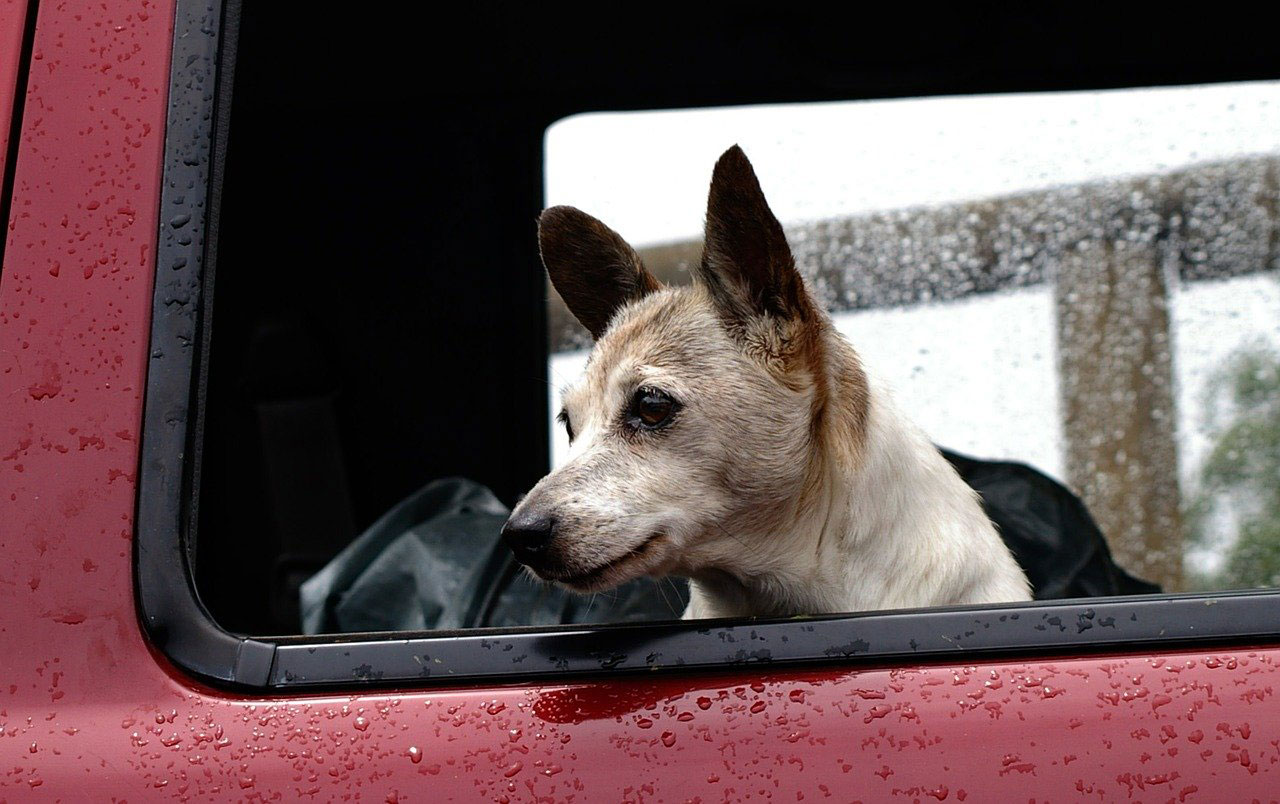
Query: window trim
(168, 479)
(169, 605)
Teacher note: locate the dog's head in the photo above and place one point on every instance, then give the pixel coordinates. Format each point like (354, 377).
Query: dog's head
(698, 425)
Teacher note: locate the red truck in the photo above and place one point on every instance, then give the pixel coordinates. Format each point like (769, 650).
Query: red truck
(117, 683)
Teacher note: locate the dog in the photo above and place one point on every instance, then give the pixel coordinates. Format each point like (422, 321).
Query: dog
(726, 433)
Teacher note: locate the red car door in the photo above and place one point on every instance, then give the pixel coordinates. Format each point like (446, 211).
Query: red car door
(13, 17)
(91, 708)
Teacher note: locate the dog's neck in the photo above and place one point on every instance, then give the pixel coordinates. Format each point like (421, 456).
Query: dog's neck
(888, 524)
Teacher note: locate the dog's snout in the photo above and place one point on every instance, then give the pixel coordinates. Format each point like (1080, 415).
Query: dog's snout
(528, 533)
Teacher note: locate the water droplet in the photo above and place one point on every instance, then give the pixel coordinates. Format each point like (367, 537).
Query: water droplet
(415, 754)
(876, 712)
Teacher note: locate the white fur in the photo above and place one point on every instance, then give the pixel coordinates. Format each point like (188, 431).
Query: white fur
(902, 530)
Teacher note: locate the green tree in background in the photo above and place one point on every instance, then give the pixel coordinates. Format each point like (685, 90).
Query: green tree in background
(1240, 480)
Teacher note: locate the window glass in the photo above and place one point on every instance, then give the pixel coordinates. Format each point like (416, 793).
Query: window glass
(1085, 282)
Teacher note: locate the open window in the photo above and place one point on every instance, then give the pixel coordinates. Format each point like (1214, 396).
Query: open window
(349, 306)
(1080, 281)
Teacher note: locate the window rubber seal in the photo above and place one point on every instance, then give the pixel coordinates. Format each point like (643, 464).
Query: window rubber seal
(174, 618)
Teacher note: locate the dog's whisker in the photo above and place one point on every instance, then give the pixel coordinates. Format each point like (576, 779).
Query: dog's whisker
(676, 591)
(676, 610)
(663, 593)
(726, 532)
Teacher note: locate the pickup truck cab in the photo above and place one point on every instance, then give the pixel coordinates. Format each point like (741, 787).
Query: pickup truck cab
(131, 670)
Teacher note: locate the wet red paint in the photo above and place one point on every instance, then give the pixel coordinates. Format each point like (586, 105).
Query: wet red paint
(13, 16)
(84, 700)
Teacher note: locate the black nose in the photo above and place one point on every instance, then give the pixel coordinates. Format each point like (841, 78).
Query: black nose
(528, 533)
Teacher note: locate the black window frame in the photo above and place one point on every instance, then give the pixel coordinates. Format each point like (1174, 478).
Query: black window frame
(179, 625)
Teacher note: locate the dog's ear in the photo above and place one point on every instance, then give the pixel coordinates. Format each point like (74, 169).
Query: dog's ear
(591, 266)
(746, 262)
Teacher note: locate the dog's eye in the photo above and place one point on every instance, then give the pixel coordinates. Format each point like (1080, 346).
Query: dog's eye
(651, 408)
(563, 418)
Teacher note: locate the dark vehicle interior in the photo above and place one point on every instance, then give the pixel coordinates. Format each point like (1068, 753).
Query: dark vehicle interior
(379, 316)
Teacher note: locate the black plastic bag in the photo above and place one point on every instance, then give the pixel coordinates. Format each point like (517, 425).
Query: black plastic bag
(436, 561)
(1049, 531)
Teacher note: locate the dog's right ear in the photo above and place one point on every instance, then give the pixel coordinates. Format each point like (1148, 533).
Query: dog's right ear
(591, 266)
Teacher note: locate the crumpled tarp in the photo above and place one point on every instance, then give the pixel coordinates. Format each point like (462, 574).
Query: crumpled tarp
(1049, 531)
(436, 561)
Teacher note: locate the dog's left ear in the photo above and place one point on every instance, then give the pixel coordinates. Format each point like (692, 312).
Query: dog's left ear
(746, 262)
(594, 270)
